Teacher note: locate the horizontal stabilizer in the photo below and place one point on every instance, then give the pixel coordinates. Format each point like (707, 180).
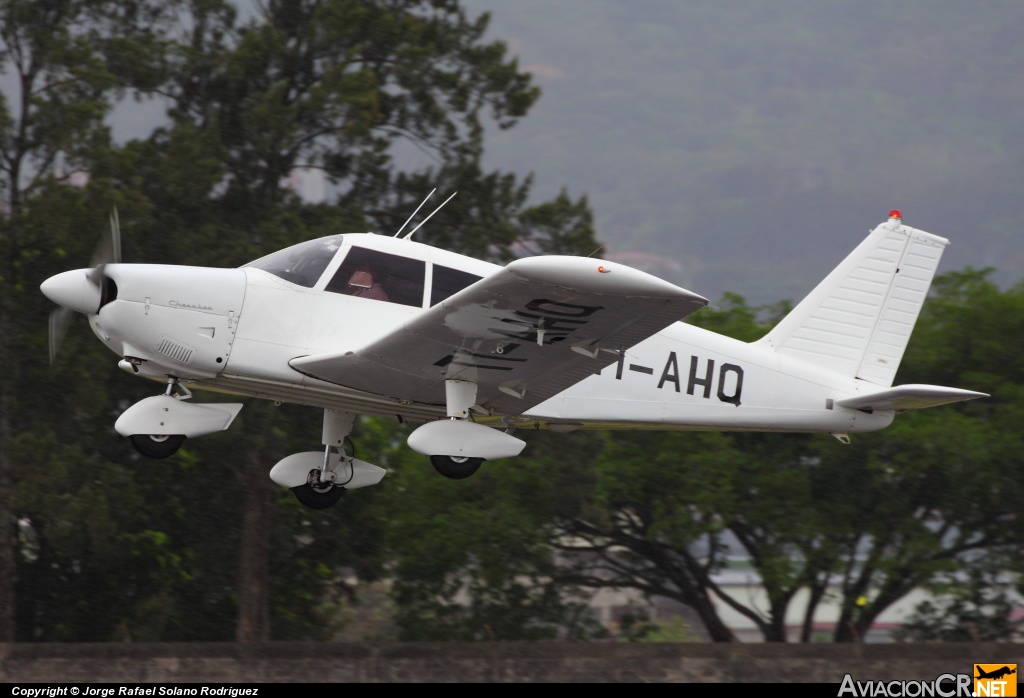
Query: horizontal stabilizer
(909, 397)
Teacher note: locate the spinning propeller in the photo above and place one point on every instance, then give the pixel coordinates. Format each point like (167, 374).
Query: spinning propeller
(82, 290)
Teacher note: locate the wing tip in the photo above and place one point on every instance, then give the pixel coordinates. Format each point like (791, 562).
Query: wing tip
(598, 276)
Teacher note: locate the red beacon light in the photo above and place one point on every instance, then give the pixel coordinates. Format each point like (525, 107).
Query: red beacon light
(603, 269)
(895, 213)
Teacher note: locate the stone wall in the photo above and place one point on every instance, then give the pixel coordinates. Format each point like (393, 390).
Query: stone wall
(488, 662)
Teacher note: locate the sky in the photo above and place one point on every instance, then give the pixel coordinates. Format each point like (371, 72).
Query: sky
(747, 146)
(755, 143)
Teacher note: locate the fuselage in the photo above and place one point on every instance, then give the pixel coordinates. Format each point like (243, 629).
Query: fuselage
(235, 330)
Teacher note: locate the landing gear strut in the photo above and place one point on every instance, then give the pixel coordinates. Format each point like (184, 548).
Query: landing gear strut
(325, 485)
(161, 445)
(319, 478)
(460, 398)
(456, 446)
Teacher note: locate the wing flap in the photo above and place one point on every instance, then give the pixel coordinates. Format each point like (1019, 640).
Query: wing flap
(909, 397)
(522, 335)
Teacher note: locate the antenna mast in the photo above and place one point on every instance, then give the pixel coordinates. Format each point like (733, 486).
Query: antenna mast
(415, 212)
(409, 235)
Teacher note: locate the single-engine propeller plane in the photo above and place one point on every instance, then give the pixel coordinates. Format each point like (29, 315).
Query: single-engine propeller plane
(364, 324)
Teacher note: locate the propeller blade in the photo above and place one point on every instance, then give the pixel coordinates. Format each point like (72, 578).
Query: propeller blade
(115, 237)
(108, 251)
(59, 320)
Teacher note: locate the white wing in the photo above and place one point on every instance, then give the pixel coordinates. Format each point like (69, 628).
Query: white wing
(522, 335)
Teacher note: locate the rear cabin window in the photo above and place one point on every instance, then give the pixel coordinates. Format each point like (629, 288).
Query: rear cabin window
(448, 282)
(301, 264)
(380, 276)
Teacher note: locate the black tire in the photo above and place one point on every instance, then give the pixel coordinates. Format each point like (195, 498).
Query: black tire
(456, 468)
(318, 499)
(157, 445)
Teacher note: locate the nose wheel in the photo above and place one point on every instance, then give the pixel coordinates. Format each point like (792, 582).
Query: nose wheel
(161, 445)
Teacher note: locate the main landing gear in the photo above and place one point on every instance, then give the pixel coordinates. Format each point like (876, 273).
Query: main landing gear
(455, 467)
(318, 479)
(456, 447)
(325, 485)
(316, 494)
(157, 445)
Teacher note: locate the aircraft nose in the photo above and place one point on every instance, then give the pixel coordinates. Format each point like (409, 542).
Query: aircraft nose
(73, 290)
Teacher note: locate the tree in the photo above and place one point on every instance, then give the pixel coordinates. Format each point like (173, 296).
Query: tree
(472, 559)
(881, 517)
(63, 59)
(974, 605)
(663, 512)
(332, 85)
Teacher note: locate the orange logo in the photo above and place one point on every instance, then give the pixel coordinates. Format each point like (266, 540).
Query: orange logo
(995, 680)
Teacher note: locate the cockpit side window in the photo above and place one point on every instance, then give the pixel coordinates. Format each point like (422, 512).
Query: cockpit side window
(448, 282)
(380, 276)
(301, 264)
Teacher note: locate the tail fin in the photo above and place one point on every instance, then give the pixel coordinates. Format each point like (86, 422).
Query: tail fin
(857, 322)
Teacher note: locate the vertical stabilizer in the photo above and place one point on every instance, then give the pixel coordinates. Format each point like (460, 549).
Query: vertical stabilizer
(857, 322)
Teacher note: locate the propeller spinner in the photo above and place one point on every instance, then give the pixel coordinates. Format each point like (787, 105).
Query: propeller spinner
(81, 290)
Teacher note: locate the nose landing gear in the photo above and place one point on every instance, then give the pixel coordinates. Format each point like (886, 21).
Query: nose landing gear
(159, 425)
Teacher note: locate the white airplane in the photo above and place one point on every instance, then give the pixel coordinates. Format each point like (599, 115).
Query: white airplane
(379, 325)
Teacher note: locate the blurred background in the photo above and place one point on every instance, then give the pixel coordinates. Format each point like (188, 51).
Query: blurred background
(739, 149)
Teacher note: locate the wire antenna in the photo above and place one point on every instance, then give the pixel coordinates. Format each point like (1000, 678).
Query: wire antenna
(415, 212)
(409, 235)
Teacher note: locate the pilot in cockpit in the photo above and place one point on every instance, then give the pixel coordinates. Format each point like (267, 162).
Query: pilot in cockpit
(364, 283)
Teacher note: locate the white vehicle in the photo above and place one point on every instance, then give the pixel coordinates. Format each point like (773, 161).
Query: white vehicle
(380, 325)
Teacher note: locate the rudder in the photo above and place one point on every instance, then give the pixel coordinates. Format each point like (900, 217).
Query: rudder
(858, 320)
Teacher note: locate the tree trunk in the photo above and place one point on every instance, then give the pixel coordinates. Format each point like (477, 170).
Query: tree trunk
(8, 522)
(8, 534)
(846, 631)
(817, 592)
(254, 563)
(717, 630)
(775, 631)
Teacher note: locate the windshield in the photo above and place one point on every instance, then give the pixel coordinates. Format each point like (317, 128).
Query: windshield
(301, 264)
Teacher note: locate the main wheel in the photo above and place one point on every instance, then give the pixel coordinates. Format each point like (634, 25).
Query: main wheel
(318, 498)
(456, 467)
(157, 445)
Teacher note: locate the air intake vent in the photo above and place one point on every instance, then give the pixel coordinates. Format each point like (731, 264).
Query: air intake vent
(175, 350)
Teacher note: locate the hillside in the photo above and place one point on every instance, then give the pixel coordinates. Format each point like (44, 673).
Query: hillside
(754, 143)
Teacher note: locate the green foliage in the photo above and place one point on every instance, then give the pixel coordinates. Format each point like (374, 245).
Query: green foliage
(472, 558)
(663, 512)
(673, 629)
(111, 547)
(115, 547)
(734, 318)
(887, 514)
(973, 607)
